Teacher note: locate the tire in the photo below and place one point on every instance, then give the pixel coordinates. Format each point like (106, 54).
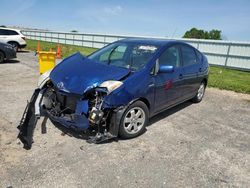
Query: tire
(200, 93)
(1, 56)
(15, 45)
(134, 120)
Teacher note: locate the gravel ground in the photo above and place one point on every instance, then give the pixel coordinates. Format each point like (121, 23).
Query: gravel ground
(191, 145)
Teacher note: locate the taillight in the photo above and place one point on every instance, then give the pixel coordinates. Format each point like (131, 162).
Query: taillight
(23, 38)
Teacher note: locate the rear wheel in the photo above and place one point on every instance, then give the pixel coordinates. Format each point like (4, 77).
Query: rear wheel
(134, 120)
(200, 93)
(1, 57)
(14, 45)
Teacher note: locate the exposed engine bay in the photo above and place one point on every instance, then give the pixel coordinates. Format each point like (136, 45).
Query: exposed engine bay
(58, 104)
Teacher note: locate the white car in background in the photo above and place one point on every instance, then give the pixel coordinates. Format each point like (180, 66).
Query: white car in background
(13, 37)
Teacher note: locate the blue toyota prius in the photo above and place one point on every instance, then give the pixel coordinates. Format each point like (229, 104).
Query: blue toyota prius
(114, 91)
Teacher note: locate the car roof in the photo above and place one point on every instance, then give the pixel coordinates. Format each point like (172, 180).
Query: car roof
(151, 41)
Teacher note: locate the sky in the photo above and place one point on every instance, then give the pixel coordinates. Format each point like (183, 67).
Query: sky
(161, 18)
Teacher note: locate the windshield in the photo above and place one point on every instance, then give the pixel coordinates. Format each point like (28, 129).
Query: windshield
(125, 55)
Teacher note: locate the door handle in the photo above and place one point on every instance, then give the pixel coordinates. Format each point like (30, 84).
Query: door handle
(180, 76)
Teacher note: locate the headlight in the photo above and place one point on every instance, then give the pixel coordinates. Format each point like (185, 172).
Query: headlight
(111, 85)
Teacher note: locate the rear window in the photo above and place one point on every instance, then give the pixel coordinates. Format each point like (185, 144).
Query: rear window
(10, 32)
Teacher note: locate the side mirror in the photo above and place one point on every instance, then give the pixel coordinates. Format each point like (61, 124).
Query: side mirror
(166, 69)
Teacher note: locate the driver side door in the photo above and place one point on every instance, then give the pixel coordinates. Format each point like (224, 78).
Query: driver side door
(168, 86)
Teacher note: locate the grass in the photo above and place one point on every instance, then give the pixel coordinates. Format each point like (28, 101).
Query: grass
(66, 49)
(228, 79)
(219, 77)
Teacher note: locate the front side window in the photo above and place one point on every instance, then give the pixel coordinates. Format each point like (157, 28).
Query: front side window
(188, 56)
(125, 55)
(170, 57)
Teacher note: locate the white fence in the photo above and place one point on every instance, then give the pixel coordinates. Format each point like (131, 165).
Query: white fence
(224, 53)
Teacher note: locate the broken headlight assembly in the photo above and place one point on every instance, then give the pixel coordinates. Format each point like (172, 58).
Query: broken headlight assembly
(111, 85)
(43, 79)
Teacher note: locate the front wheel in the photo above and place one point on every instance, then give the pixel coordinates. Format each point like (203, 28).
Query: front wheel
(200, 93)
(14, 45)
(134, 120)
(1, 57)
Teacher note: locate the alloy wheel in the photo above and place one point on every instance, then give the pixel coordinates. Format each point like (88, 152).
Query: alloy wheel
(201, 91)
(134, 120)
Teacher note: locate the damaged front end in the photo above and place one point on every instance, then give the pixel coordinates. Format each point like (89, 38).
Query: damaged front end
(75, 101)
(82, 113)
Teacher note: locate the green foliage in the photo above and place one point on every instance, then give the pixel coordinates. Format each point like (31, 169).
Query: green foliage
(228, 79)
(66, 49)
(201, 34)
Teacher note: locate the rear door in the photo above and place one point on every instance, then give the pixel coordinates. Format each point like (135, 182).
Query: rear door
(191, 68)
(168, 86)
(3, 35)
(13, 36)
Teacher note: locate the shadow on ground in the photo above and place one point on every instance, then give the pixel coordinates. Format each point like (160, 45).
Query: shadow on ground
(11, 61)
(164, 114)
(23, 51)
(86, 135)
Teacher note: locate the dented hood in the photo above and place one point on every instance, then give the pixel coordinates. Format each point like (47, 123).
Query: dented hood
(77, 73)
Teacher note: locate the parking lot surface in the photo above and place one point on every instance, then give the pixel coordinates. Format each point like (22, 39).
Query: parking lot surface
(191, 145)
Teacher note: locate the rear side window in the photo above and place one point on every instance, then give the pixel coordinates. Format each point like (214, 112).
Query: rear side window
(10, 32)
(170, 57)
(188, 56)
(199, 56)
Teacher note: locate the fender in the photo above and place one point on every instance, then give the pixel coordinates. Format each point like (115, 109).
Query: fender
(117, 116)
(43, 79)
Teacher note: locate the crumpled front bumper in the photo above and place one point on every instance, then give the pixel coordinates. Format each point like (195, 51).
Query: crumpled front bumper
(74, 121)
(78, 120)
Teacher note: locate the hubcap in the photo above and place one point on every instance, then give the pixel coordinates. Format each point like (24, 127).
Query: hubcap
(201, 91)
(134, 120)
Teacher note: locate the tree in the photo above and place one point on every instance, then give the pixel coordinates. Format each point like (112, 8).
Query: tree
(201, 34)
(215, 34)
